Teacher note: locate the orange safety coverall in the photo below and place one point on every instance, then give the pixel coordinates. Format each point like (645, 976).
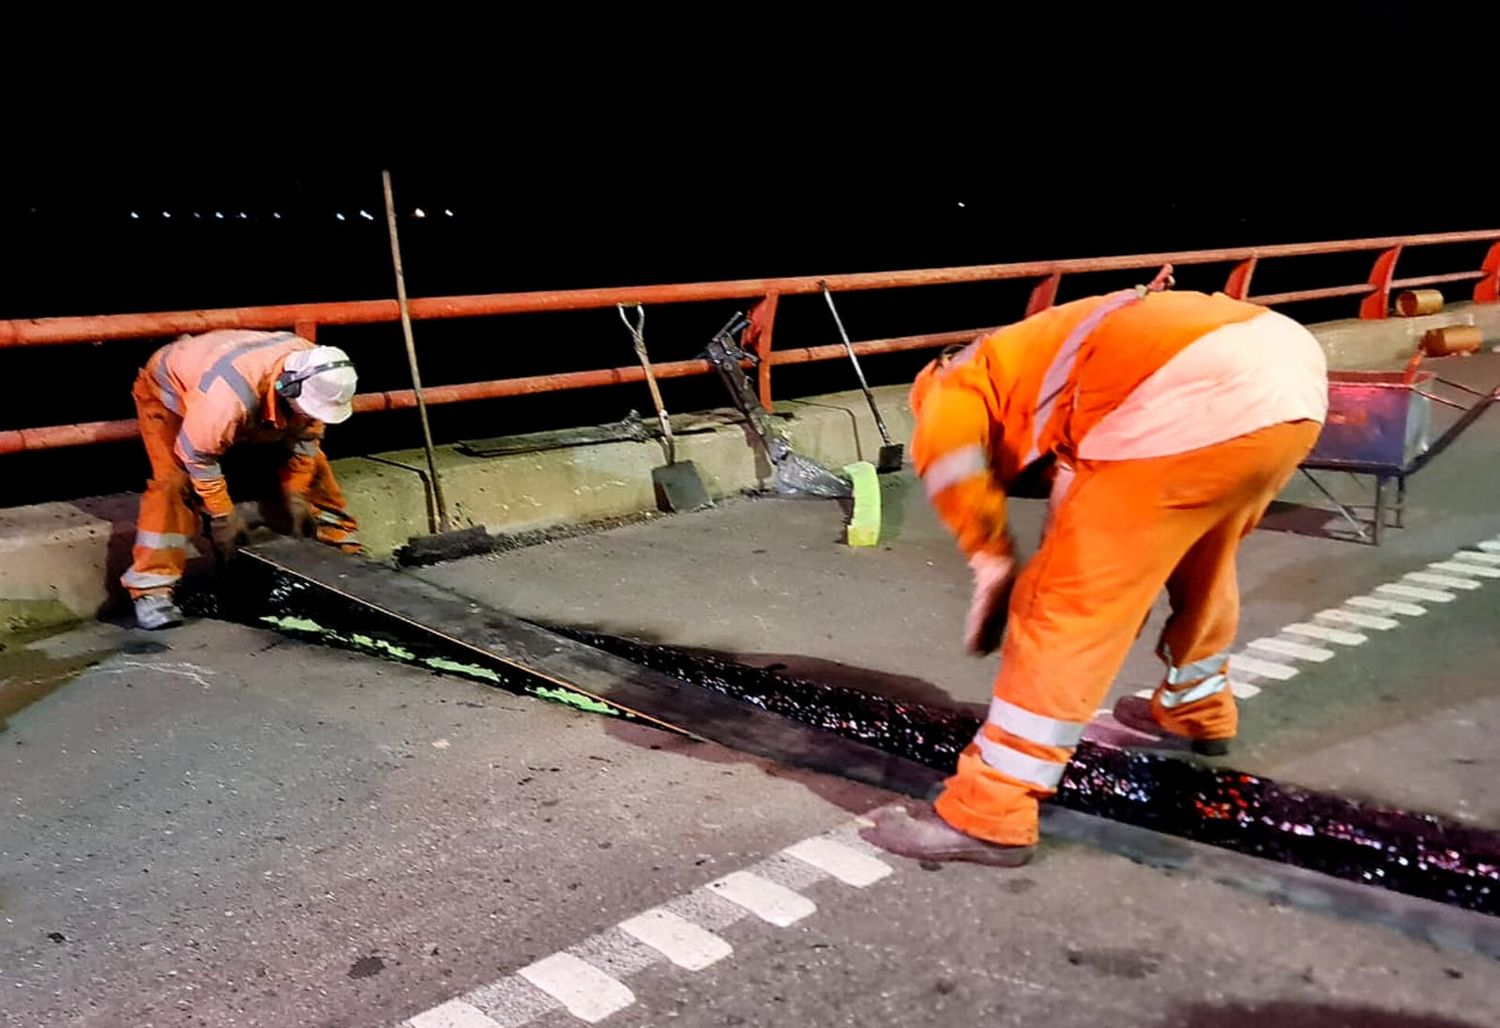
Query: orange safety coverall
(1203, 406)
(196, 398)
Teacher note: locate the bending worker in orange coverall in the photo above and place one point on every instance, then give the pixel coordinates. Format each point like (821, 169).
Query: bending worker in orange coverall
(1172, 420)
(201, 395)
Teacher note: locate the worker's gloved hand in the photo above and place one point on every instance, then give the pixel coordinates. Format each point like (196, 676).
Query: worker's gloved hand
(994, 577)
(228, 534)
(300, 512)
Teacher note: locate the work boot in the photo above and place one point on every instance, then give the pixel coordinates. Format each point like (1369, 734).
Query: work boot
(158, 611)
(926, 836)
(1135, 713)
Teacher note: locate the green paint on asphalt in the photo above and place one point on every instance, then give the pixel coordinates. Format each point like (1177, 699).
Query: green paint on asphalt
(473, 671)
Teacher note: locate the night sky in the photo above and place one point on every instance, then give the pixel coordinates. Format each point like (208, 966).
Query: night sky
(595, 149)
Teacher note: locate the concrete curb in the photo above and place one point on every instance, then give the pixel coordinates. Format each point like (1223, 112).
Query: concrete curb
(59, 562)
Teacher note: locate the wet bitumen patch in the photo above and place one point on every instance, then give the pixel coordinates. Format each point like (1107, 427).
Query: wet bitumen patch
(1411, 853)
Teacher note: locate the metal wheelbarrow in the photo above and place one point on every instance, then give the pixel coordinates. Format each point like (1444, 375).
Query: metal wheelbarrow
(1380, 425)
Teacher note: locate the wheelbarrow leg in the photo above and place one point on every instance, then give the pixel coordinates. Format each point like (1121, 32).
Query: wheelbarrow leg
(1379, 507)
(1401, 501)
(1342, 509)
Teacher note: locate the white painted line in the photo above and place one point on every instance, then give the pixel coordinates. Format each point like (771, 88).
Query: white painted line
(1441, 581)
(1349, 617)
(1342, 636)
(1463, 567)
(453, 1014)
(764, 898)
(677, 938)
(1243, 690)
(1300, 651)
(1264, 668)
(587, 992)
(1490, 545)
(1477, 558)
(1386, 604)
(847, 865)
(1413, 592)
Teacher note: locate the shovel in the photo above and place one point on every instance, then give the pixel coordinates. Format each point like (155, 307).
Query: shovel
(678, 486)
(890, 453)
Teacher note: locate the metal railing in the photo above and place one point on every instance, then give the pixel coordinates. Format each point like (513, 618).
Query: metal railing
(1375, 293)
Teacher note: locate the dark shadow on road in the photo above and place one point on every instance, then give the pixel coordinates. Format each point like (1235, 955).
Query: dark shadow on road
(1303, 1015)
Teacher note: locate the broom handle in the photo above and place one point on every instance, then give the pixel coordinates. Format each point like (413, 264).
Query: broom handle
(411, 355)
(637, 333)
(864, 386)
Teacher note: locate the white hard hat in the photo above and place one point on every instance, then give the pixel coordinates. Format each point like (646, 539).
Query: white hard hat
(319, 383)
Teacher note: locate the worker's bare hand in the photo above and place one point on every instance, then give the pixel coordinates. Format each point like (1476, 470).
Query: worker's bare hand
(994, 578)
(303, 525)
(228, 534)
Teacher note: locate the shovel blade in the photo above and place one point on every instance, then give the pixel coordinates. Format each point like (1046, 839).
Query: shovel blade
(890, 458)
(679, 487)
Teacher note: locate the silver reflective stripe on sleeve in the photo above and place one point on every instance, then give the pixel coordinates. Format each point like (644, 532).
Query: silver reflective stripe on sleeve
(161, 540)
(1202, 691)
(169, 397)
(1044, 731)
(325, 518)
(1044, 774)
(1061, 368)
(954, 467)
(305, 447)
(1197, 669)
(224, 369)
(134, 579)
(197, 467)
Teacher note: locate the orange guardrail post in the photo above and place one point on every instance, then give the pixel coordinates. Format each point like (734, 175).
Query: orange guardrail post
(1487, 289)
(1377, 305)
(1237, 285)
(757, 338)
(1043, 294)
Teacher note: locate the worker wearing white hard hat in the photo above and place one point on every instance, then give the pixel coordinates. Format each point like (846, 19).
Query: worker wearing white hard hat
(197, 398)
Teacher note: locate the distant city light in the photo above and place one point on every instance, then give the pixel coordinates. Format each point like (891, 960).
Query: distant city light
(962, 204)
(134, 216)
(197, 215)
(340, 216)
(367, 215)
(219, 215)
(276, 215)
(447, 212)
(243, 214)
(166, 214)
(419, 213)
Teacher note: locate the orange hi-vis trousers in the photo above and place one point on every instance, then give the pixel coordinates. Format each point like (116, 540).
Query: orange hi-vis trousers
(169, 519)
(1123, 530)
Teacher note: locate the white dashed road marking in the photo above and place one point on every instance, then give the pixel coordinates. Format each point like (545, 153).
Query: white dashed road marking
(1413, 592)
(677, 938)
(1335, 635)
(1387, 604)
(453, 1014)
(1465, 568)
(764, 898)
(1441, 581)
(1349, 617)
(1263, 668)
(834, 858)
(1300, 651)
(1472, 557)
(585, 991)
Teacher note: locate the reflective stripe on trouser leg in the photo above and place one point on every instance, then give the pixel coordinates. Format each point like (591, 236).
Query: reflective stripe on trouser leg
(166, 524)
(1043, 775)
(1037, 728)
(333, 524)
(1203, 690)
(1176, 675)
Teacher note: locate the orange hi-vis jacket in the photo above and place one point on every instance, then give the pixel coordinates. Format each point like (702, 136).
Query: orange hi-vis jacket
(222, 385)
(1036, 388)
